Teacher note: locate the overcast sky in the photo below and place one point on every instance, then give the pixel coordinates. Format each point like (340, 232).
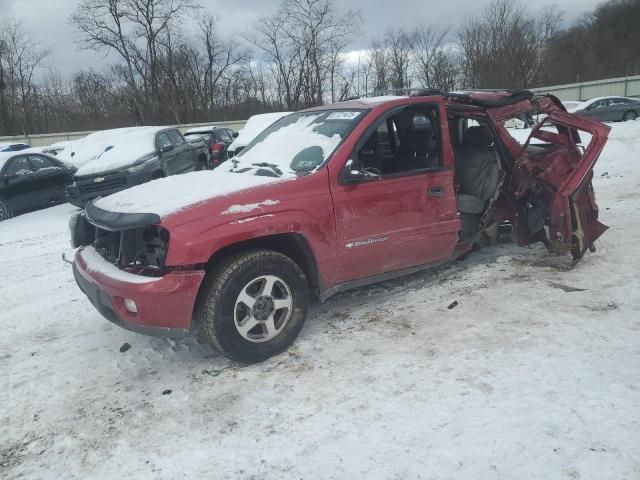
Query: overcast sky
(48, 19)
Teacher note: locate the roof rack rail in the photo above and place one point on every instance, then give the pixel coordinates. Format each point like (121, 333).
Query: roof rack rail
(510, 99)
(407, 91)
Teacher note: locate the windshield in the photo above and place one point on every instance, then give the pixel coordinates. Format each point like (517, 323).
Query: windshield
(296, 144)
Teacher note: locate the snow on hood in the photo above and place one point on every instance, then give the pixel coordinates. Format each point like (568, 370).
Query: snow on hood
(84, 150)
(173, 194)
(254, 126)
(121, 150)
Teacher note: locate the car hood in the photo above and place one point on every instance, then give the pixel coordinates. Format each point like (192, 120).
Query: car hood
(167, 196)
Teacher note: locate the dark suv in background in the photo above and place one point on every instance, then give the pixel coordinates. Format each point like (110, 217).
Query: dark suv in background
(217, 140)
(136, 156)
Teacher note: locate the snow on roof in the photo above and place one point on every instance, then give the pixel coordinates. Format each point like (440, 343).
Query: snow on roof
(380, 99)
(254, 126)
(111, 149)
(172, 194)
(204, 129)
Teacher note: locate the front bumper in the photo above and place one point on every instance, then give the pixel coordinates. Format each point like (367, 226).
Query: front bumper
(164, 304)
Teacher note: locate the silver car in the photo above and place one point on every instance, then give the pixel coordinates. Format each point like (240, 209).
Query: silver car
(609, 109)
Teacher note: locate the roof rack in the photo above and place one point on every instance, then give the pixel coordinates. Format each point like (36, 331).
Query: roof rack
(510, 99)
(410, 92)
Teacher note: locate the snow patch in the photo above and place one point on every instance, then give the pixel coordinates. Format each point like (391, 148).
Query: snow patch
(249, 207)
(254, 126)
(173, 194)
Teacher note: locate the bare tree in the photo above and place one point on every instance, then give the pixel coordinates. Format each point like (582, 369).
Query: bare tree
(508, 46)
(426, 51)
(398, 45)
(20, 56)
(303, 41)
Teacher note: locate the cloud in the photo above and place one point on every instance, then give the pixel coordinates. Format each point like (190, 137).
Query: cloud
(48, 19)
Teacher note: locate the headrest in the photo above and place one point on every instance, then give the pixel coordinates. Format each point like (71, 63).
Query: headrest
(477, 136)
(421, 123)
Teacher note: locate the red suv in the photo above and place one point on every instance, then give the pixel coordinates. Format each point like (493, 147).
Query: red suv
(332, 198)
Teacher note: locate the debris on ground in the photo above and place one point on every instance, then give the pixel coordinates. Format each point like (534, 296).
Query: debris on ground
(566, 288)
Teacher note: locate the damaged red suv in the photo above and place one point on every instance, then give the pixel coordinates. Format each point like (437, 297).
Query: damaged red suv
(332, 198)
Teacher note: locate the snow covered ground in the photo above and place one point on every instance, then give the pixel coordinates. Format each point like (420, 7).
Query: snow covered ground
(521, 380)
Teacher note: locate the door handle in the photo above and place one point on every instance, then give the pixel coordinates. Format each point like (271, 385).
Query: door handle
(437, 191)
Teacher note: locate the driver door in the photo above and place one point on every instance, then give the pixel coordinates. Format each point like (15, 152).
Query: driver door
(19, 189)
(395, 221)
(167, 153)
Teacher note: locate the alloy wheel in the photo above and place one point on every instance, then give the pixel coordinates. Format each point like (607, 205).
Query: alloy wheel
(263, 308)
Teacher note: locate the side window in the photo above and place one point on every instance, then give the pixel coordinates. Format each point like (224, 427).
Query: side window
(40, 162)
(175, 137)
(618, 102)
(164, 140)
(406, 142)
(599, 104)
(18, 166)
(224, 135)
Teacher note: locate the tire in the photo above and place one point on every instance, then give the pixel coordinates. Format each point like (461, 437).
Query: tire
(5, 213)
(630, 115)
(253, 305)
(201, 165)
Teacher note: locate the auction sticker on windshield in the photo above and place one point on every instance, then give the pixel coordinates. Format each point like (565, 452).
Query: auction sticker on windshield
(343, 115)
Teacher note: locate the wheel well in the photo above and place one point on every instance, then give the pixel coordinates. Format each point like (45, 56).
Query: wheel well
(202, 157)
(157, 174)
(293, 245)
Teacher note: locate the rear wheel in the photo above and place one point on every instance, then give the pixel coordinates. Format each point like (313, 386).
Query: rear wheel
(253, 306)
(630, 115)
(5, 213)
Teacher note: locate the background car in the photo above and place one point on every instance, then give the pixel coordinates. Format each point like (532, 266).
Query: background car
(112, 162)
(217, 141)
(13, 147)
(254, 126)
(31, 180)
(609, 109)
(571, 104)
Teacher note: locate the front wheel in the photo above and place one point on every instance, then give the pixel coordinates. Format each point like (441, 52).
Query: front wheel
(253, 305)
(5, 213)
(630, 115)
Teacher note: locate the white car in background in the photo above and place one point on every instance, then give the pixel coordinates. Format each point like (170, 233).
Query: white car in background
(254, 126)
(571, 104)
(13, 147)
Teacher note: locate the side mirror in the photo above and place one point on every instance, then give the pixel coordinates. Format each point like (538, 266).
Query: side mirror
(350, 175)
(166, 148)
(235, 134)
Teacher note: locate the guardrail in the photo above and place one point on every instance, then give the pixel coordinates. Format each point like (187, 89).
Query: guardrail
(44, 139)
(622, 86)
